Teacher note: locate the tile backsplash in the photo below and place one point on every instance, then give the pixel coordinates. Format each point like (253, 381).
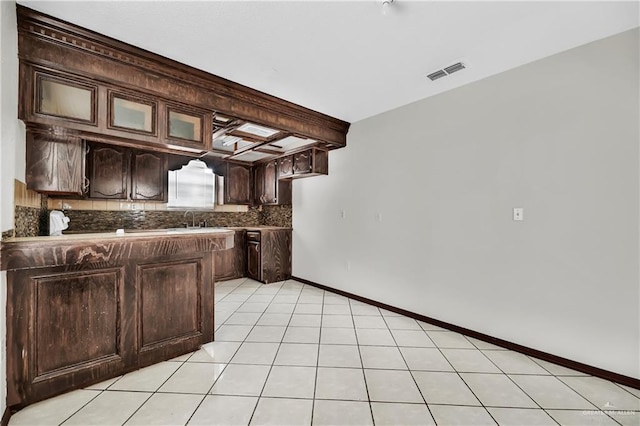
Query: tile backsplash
(277, 216)
(32, 215)
(129, 206)
(25, 197)
(107, 221)
(31, 222)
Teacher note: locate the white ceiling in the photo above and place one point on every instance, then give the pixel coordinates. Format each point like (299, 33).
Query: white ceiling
(347, 59)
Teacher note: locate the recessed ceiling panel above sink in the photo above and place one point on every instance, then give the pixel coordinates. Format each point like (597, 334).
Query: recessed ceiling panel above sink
(289, 143)
(240, 140)
(260, 131)
(251, 156)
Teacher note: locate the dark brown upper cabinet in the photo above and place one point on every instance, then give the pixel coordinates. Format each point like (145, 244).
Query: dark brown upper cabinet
(285, 166)
(132, 114)
(237, 184)
(108, 167)
(310, 162)
(302, 162)
(61, 98)
(88, 66)
(55, 164)
(121, 173)
(267, 188)
(97, 110)
(148, 176)
(184, 124)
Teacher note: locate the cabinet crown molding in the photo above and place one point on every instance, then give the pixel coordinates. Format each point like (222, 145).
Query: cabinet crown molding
(39, 32)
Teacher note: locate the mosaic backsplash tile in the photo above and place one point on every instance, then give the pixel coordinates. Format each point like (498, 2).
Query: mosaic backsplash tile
(277, 216)
(7, 234)
(31, 222)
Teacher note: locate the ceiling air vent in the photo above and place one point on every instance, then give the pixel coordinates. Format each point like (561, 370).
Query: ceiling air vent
(446, 71)
(455, 67)
(436, 75)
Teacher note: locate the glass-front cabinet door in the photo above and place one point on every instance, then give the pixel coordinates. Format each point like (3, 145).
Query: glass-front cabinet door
(59, 97)
(184, 125)
(132, 113)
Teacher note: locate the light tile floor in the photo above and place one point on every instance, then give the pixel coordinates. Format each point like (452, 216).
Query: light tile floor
(291, 354)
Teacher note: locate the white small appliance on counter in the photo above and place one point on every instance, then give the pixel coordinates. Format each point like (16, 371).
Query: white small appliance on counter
(58, 222)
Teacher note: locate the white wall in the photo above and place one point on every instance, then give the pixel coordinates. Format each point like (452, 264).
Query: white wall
(558, 137)
(12, 152)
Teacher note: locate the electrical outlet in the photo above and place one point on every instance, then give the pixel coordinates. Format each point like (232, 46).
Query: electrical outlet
(379, 217)
(518, 213)
(134, 206)
(343, 214)
(348, 265)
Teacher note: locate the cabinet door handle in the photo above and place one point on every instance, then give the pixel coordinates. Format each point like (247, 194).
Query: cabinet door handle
(85, 185)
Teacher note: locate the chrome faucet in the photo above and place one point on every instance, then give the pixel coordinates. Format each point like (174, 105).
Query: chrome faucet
(193, 218)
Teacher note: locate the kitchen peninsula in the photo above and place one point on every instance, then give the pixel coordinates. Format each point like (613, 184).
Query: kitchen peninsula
(86, 307)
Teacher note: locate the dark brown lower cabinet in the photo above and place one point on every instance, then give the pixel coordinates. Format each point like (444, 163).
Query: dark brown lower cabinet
(263, 254)
(175, 307)
(269, 255)
(232, 263)
(80, 313)
(253, 259)
(65, 327)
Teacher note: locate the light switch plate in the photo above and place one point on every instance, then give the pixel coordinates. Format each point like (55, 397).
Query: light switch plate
(518, 213)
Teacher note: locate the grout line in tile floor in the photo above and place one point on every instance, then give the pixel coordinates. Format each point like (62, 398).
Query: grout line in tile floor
(84, 405)
(276, 354)
(407, 365)
(459, 376)
(221, 373)
(476, 347)
(315, 382)
(366, 385)
(512, 381)
(307, 300)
